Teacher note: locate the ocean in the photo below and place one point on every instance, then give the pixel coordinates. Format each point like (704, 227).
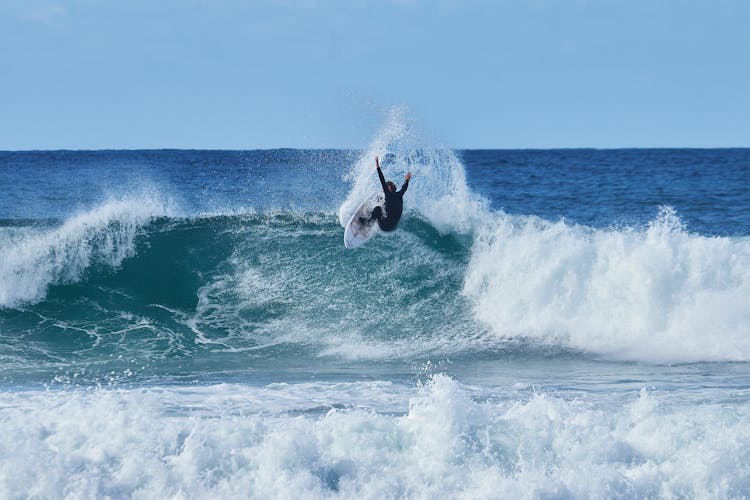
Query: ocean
(542, 324)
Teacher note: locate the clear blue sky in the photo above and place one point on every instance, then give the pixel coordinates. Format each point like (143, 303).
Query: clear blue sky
(91, 74)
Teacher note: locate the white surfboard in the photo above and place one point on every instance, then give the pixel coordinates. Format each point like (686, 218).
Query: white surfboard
(357, 233)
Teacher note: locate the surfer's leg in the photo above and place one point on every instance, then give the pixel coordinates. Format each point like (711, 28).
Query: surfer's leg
(376, 214)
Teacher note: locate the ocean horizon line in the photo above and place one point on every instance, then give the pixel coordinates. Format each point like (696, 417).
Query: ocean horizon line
(582, 148)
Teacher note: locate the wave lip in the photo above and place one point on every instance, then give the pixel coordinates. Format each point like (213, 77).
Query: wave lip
(34, 260)
(658, 295)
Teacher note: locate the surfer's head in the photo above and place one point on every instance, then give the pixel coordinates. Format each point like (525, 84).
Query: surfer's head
(391, 186)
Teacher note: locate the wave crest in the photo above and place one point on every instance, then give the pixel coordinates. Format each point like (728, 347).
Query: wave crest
(33, 261)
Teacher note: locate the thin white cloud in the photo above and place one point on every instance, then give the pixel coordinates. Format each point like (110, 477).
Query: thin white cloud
(43, 12)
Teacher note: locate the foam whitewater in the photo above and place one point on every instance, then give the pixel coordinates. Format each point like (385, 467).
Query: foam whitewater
(439, 439)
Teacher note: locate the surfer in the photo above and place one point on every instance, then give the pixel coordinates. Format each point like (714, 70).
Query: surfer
(394, 203)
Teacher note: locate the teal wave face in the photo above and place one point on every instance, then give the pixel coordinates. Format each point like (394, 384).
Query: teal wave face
(221, 290)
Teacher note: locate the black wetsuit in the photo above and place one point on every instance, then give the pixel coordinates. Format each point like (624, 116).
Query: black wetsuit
(394, 206)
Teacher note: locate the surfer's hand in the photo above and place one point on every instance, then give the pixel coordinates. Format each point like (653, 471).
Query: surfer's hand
(408, 176)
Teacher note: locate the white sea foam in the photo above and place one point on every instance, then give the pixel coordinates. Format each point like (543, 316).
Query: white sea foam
(658, 294)
(387, 441)
(32, 261)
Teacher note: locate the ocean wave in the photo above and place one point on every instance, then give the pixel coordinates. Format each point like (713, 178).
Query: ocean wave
(248, 279)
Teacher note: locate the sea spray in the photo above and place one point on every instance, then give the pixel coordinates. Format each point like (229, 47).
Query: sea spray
(438, 192)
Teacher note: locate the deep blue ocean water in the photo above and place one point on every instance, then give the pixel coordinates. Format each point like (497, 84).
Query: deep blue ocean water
(558, 323)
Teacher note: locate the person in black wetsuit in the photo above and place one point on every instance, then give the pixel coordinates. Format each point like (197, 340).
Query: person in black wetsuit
(394, 203)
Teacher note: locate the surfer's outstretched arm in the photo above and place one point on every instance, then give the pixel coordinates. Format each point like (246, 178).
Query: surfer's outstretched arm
(406, 183)
(380, 174)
